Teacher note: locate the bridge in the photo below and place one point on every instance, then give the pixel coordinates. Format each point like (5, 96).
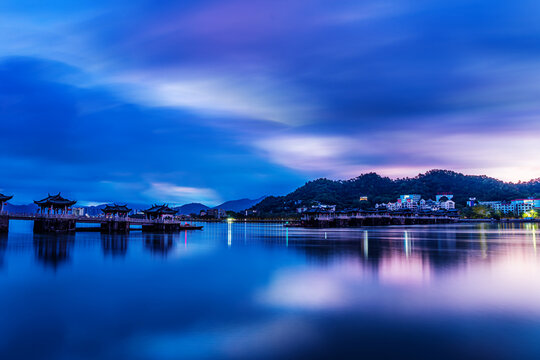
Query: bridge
(344, 220)
(81, 219)
(51, 223)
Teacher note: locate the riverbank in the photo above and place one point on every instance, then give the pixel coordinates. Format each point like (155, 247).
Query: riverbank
(245, 220)
(520, 221)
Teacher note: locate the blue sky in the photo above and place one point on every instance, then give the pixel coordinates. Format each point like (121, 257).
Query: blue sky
(183, 101)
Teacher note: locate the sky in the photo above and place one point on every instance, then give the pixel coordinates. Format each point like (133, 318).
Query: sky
(208, 101)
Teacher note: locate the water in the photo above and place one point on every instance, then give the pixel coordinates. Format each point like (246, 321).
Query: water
(261, 291)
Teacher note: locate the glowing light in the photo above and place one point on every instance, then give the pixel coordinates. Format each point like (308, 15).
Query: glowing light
(366, 243)
(406, 244)
(534, 239)
(229, 232)
(483, 243)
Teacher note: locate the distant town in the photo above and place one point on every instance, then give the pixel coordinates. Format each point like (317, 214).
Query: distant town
(413, 206)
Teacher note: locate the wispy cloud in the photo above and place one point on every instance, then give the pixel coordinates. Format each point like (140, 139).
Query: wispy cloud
(171, 193)
(307, 153)
(398, 154)
(251, 96)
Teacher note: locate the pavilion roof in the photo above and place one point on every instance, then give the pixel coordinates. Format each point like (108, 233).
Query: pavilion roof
(160, 209)
(4, 198)
(115, 208)
(55, 200)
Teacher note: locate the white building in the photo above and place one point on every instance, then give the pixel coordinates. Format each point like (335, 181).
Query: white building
(415, 202)
(331, 208)
(518, 206)
(79, 211)
(447, 205)
(524, 205)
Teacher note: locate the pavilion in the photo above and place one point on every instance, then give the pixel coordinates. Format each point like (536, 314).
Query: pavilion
(159, 212)
(116, 210)
(54, 204)
(3, 199)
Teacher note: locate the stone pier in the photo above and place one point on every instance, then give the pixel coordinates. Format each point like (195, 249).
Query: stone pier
(162, 227)
(115, 227)
(54, 225)
(4, 223)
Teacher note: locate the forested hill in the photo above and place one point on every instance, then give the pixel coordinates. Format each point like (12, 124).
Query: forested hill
(346, 193)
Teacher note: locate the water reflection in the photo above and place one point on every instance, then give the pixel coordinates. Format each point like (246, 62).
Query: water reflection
(437, 248)
(160, 244)
(53, 251)
(478, 268)
(114, 244)
(532, 229)
(229, 232)
(3, 247)
(244, 290)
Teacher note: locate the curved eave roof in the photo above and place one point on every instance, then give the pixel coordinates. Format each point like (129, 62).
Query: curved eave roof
(52, 202)
(55, 200)
(160, 209)
(115, 208)
(5, 197)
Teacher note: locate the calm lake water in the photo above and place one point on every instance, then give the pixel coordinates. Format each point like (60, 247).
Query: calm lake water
(256, 291)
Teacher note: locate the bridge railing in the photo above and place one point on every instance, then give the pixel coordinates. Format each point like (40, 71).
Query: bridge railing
(96, 219)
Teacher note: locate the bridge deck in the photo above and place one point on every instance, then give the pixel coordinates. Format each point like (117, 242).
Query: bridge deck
(89, 220)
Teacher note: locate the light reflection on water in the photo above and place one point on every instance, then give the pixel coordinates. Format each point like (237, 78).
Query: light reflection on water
(244, 290)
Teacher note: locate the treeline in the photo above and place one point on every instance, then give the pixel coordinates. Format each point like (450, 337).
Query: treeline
(378, 189)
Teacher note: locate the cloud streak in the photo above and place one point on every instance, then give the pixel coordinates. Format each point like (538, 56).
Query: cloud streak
(182, 194)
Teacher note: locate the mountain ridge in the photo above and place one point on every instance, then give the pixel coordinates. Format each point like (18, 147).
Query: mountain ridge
(240, 204)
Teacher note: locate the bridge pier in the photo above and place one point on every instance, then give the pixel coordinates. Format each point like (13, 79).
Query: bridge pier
(4, 223)
(115, 227)
(54, 225)
(163, 227)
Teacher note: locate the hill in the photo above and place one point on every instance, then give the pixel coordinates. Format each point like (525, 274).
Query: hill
(239, 205)
(192, 208)
(96, 210)
(20, 209)
(346, 193)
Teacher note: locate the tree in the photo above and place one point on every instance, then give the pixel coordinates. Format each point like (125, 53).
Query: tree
(345, 193)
